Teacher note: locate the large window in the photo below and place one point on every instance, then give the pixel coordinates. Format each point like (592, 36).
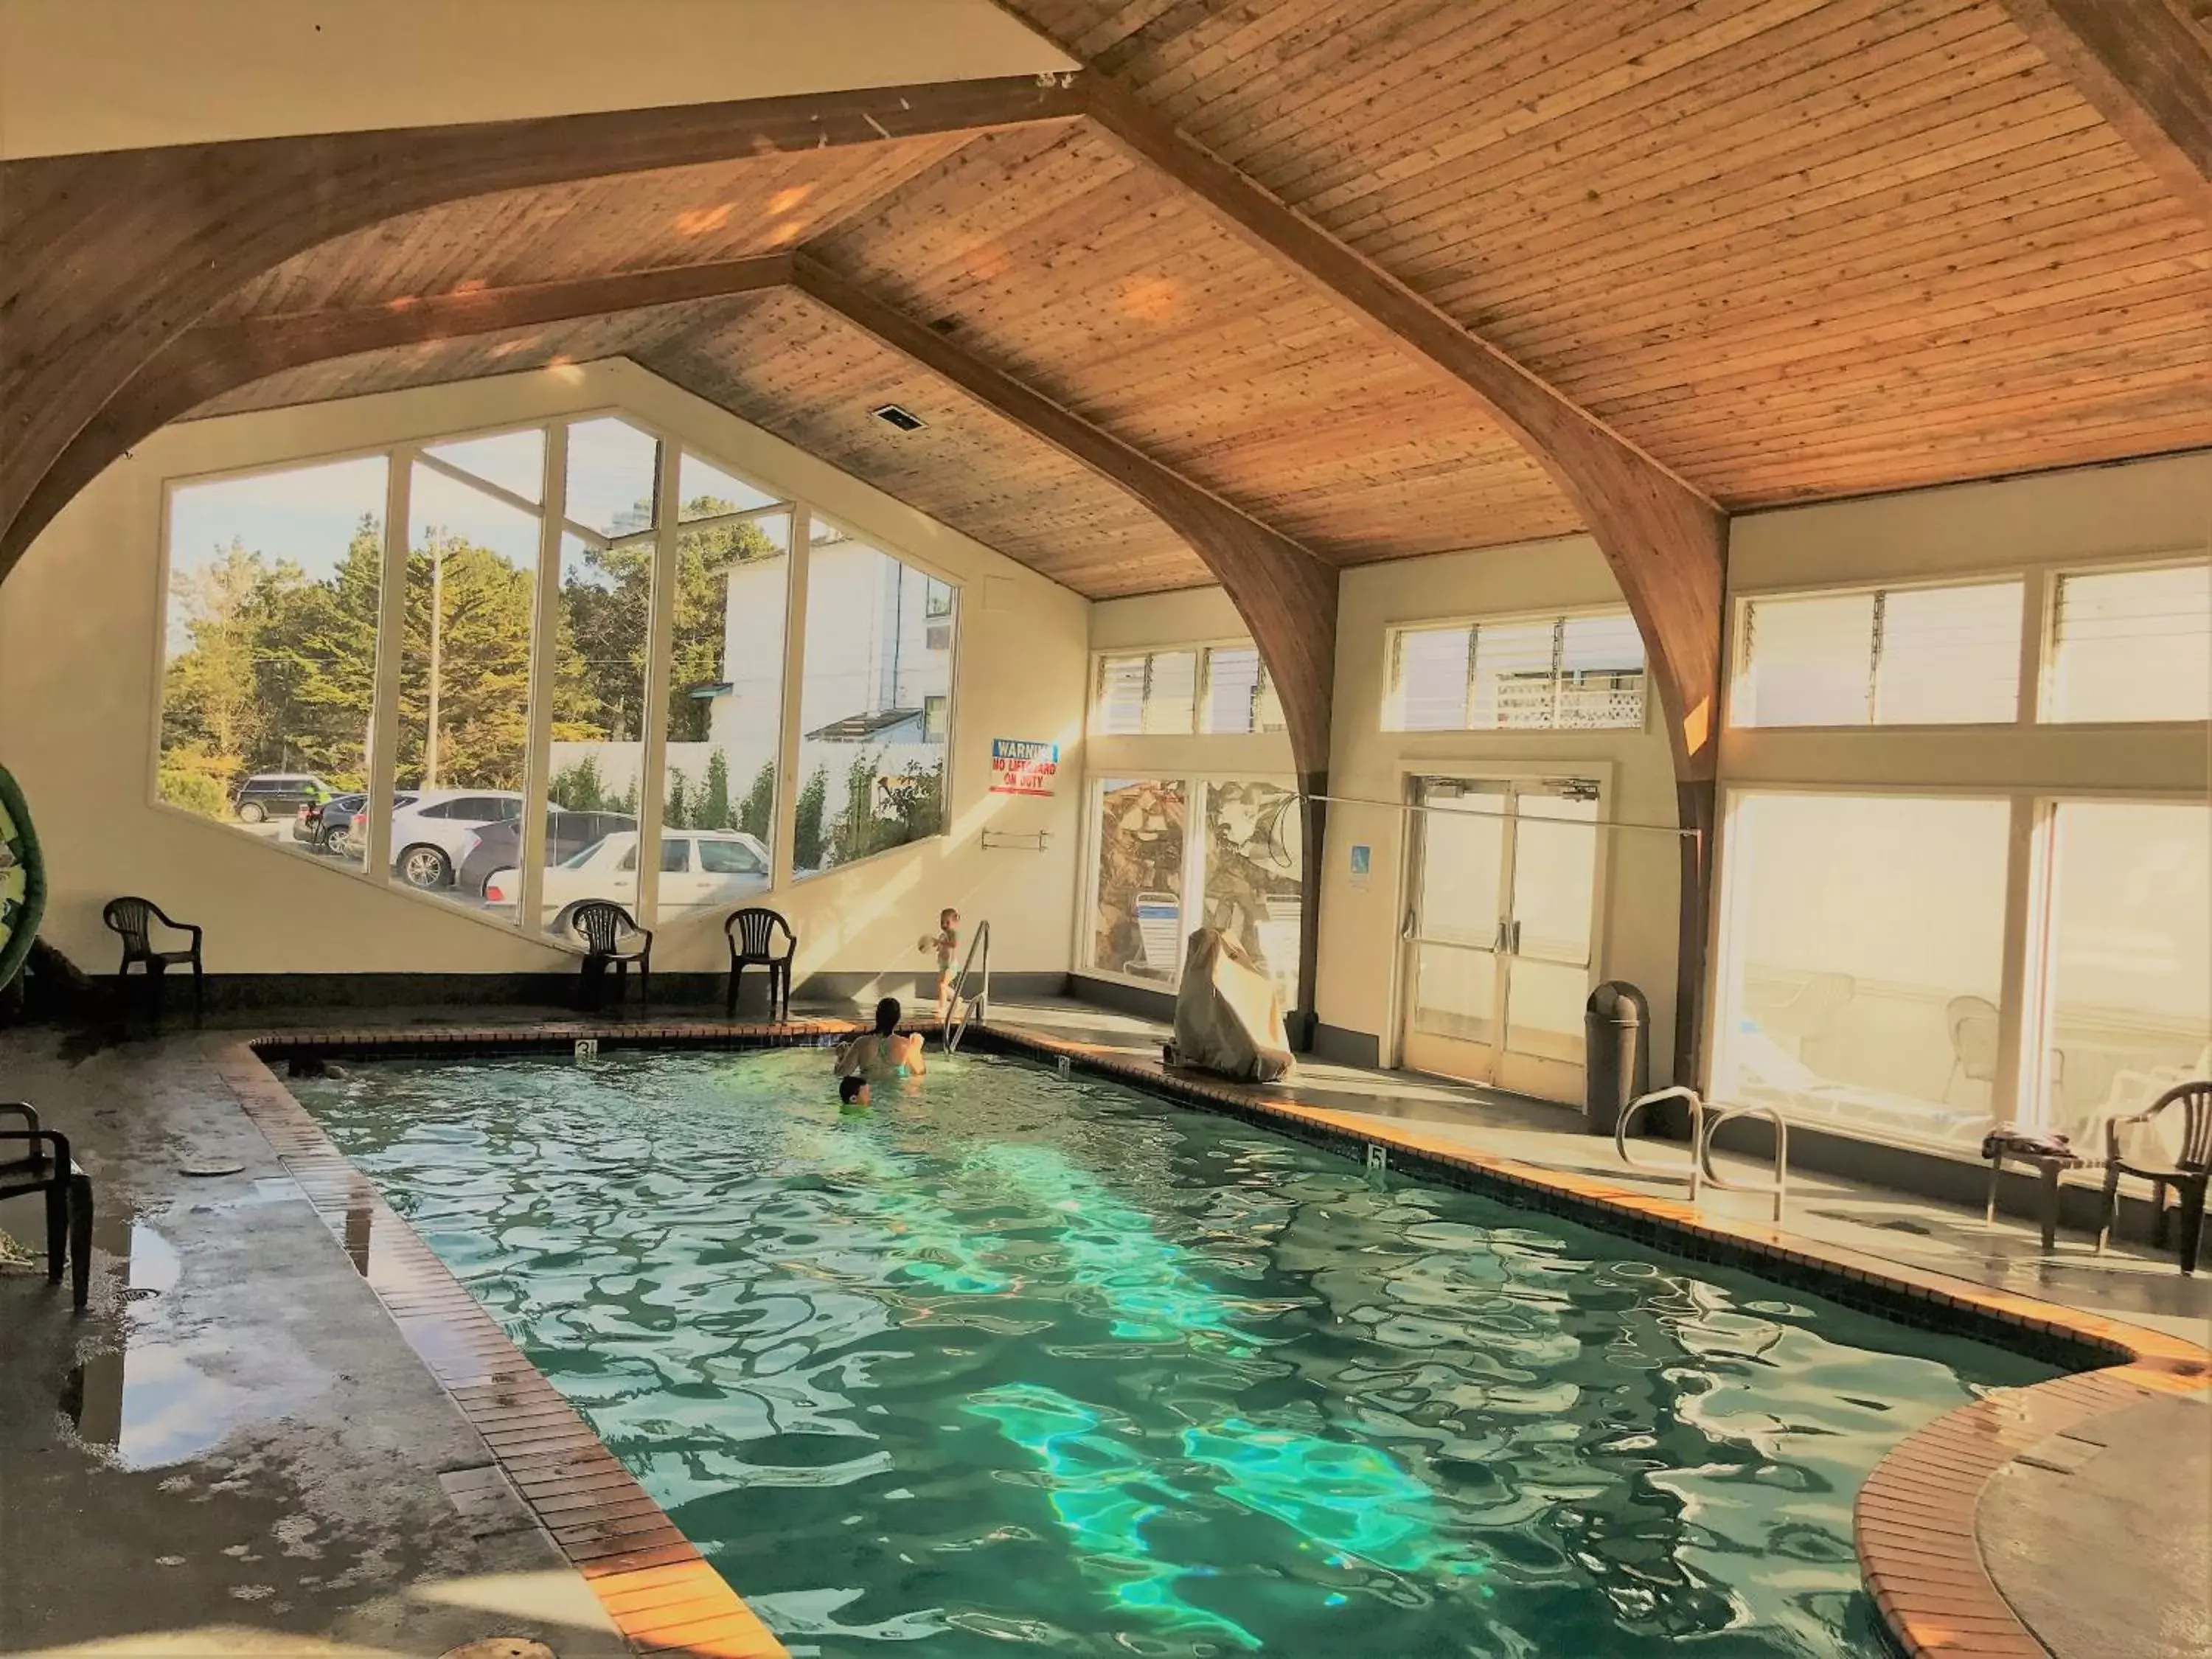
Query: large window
(465, 673)
(1907, 656)
(874, 704)
(1217, 690)
(1862, 952)
(1169, 855)
(2128, 958)
(1541, 673)
(269, 652)
(515, 704)
(2131, 645)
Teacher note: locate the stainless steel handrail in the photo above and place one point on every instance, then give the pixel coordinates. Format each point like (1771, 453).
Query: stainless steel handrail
(962, 1008)
(1779, 1187)
(1704, 1123)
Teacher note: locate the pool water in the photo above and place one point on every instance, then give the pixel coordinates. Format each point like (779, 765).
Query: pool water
(1016, 1363)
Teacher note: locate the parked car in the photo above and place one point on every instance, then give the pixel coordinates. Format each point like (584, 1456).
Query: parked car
(277, 794)
(427, 836)
(331, 827)
(496, 846)
(698, 867)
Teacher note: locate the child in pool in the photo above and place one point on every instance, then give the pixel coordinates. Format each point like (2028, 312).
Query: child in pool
(884, 1053)
(851, 1095)
(946, 943)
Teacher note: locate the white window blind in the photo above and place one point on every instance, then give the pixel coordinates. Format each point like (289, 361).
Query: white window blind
(1239, 695)
(1917, 656)
(2132, 645)
(1147, 694)
(1537, 674)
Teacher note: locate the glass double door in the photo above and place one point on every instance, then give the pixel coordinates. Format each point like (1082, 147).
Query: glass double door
(1498, 924)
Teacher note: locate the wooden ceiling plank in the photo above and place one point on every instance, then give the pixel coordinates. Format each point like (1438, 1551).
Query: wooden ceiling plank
(1876, 320)
(2151, 313)
(106, 259)
(1984, 191)
(1328, 173)
(2147, 68)
(1680, 121)
(2042, 249)
(1912, 120)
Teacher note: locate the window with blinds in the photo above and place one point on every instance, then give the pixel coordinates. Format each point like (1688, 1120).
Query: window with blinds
(1239, 698)
(1147, 693)
(2131, 645)
(1546, 674)
(1214, 689)
(1906, 656)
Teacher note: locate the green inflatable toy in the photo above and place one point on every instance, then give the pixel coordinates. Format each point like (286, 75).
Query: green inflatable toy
(22, 881)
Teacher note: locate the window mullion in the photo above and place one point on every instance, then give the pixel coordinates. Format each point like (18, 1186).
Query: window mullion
(787, 780)
(390, 645)
(1874, 659)
(1466, 692)
(660, 649)
(1559, 667)
(544, 655)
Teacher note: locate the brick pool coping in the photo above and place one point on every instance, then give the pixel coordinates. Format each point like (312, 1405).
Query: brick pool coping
(1913, 1521)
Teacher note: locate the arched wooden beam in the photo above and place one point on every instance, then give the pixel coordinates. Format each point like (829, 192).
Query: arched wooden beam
(106, 259)
(211, 359)
(1666, 540)
(2145, 66)
(1285, 593)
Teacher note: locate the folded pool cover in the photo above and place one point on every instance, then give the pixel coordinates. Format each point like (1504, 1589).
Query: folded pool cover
(1229, 1015)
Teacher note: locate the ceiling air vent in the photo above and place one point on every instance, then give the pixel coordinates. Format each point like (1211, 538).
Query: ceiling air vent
(905, 420)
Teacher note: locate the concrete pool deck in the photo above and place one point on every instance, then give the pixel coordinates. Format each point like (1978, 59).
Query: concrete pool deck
(348, 1439)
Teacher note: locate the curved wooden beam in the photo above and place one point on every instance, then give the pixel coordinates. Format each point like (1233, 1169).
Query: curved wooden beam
(2145, 66)
(211, 359)
(1285, 594)
(1666, 540)
(106, 259)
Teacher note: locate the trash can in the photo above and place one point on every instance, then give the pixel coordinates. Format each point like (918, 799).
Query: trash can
(1616, 1062)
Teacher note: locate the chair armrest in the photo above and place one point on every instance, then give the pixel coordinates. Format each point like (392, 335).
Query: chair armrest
(23, 1110)
(61, 1159)
(175, 926)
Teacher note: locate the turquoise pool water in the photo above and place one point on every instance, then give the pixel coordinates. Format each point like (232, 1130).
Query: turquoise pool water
(1019, 1365)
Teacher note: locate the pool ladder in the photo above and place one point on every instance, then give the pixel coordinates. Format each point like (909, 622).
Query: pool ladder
(1706, 1121)
(962, 1007)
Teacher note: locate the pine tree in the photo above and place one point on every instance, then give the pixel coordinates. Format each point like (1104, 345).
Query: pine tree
(712, 810)
(756, 816)
(676, 811)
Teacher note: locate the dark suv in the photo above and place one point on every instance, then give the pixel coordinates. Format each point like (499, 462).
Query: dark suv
(278, 794)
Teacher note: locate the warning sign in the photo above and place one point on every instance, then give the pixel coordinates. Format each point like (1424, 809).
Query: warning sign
(1019, 767)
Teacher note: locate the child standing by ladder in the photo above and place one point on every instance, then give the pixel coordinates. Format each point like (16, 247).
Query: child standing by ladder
(946, 943)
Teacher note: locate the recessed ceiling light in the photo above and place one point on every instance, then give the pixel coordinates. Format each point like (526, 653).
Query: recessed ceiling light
(905, 420)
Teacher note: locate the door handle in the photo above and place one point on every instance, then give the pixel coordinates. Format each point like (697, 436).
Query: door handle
(1407, 931)
(1513, 946)
(1498, 939)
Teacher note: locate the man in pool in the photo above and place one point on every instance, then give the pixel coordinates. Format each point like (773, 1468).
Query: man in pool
(883, 1054)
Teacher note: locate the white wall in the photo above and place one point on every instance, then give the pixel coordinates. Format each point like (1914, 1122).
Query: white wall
(80, 622)
(1359, 965)
(189, 71)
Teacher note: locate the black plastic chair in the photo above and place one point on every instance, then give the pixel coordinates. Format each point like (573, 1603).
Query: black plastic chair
(134, 919)
(2188, 1174)
(751, 936)
(46, 1167)
(610, 934)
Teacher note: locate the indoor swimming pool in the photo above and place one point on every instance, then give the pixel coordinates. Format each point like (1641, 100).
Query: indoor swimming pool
(1017, 1363)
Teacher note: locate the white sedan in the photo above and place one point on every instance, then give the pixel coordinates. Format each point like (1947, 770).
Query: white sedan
(699, 868)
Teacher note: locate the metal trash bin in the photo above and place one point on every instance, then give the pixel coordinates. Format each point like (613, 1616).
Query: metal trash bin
(1616, 1058)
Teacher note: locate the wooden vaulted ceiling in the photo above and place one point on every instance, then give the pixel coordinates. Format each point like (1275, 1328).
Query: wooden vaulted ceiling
(1788, 248)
